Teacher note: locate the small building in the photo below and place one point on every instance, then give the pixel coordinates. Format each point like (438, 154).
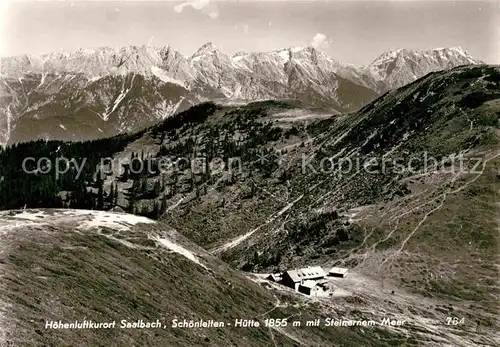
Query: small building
(338, 272)
(276, 277)
(293, 278)
(310, 288)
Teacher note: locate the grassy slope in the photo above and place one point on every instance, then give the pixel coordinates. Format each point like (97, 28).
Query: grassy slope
(53, 272)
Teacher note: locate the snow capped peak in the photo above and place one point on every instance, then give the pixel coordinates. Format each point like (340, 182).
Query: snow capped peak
(239, 54)
(166, 48)
(388, 56)
(455, 49)
(403, 53)
(285, 54)
(295, 49)
(396, 68)
(207, 48)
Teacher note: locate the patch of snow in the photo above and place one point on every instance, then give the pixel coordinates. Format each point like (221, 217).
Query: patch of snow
(94, 78)
(66, 80)
(369, 137)
(241, 66)
(163, 75)
(30, 215)
(238, 58)
(175, 205)
(429, 93)
(118, 100)
(9, 221)
(237, 93)
(9, 121)
(235, 242)
(284, 55)
(226, 91)
(117, 221)
(180, 250)
(302, 117)
(42, 80)
(167, 109)
(196, 58)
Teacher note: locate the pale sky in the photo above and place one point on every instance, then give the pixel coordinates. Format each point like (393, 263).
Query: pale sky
(353, 32)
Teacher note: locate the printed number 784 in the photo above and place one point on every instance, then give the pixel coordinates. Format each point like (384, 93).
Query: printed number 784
(454, 321)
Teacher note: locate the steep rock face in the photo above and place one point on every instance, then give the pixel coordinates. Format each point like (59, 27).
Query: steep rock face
(302, 73)
(98, 92)
(216, 70)
(71, 106)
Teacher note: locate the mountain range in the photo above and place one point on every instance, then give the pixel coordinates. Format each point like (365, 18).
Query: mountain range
(94, 93)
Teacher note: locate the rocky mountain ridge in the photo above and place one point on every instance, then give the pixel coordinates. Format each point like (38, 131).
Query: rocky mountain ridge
(387, 70)
(94, 93)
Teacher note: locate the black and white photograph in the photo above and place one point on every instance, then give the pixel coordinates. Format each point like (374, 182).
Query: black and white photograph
(320, 173)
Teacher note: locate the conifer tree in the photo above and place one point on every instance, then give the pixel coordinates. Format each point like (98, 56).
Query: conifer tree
(144, 185)
(100, 197)
(157, 189)
(163, 206)
(115, 202)
(112, 194)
